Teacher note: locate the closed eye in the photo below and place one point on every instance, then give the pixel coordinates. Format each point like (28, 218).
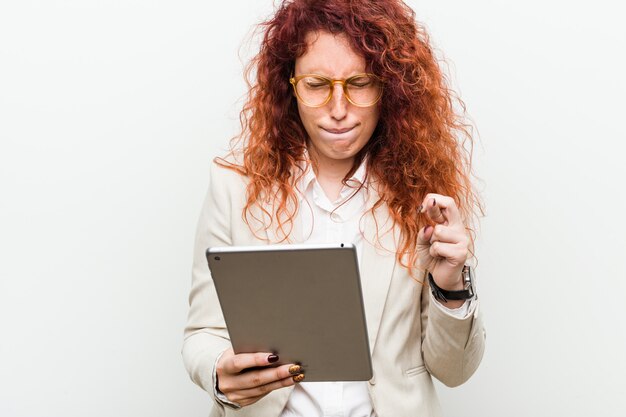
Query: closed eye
(360, 82)
(316, 84)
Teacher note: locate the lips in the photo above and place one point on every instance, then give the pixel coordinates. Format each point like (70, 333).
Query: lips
(338, 131)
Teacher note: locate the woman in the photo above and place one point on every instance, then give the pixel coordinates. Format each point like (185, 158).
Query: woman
(349, 134)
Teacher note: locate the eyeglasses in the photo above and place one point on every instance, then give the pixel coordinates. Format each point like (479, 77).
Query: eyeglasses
(362, 90)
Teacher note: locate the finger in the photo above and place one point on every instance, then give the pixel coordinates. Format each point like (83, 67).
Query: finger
(257, 378)
(437, 206)
(453, 253)
(263, 377)
(424, 235)
(233, 364)
(448, 234)
(243, 396)
(434, 212)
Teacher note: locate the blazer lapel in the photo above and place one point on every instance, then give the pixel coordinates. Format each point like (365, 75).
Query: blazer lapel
(377, 263)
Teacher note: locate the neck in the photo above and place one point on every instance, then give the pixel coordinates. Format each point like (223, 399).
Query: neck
(330, 174)
(328, 168)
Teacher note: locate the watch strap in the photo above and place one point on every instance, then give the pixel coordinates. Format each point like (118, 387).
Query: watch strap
(444, 295)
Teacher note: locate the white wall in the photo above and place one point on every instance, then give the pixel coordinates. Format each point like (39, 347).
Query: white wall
(111, 111)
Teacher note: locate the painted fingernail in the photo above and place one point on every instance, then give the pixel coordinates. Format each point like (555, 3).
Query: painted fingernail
(434, 202)
(298, 378)
(295, 369)
(420, 208)
(272, 358)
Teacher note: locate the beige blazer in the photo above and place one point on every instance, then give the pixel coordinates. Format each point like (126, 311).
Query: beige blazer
(411, 339)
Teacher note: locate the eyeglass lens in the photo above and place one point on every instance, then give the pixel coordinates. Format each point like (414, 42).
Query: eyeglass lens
(315, 91)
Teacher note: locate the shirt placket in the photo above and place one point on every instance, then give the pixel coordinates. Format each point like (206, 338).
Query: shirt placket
(333, 399)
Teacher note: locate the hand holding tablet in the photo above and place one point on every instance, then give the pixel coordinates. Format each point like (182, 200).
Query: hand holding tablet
(247, 377)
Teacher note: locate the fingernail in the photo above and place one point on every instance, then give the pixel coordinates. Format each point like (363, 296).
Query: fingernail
(272, 358)
(295, 369)
(427, 228)
(420, 208)
(298, 378)
(434, 202)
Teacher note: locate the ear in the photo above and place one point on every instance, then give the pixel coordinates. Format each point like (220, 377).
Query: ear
(292, 82)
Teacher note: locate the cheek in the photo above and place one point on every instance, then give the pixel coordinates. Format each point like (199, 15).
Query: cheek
(370, 117)
(370, 121)
(308, 116)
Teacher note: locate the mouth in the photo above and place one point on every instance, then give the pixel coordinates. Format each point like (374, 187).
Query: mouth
(338, 131)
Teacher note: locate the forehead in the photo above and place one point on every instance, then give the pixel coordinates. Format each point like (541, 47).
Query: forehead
(331, 55)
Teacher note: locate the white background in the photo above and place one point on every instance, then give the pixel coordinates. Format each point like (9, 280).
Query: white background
(111, 111)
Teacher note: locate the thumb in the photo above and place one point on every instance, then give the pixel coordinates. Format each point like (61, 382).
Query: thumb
(424, 235)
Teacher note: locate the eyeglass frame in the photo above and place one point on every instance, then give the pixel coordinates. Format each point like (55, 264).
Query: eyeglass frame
(344, 84)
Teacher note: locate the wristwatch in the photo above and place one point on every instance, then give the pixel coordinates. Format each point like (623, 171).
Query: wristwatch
(444, 295)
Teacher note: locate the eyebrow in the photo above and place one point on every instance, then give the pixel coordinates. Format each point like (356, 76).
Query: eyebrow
(318, 70)
(352, 74)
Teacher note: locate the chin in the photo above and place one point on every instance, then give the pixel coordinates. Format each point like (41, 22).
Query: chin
(344, 152)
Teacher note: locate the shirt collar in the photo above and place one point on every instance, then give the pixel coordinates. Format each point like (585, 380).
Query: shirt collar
(355, 181)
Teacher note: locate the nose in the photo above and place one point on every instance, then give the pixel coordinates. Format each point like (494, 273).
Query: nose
(338, 103)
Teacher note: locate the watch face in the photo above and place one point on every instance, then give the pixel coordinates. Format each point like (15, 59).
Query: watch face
(469, 279)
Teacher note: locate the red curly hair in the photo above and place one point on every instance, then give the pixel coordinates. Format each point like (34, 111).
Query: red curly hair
(418, 146)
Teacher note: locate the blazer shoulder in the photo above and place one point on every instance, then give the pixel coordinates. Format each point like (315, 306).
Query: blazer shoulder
(226, 174)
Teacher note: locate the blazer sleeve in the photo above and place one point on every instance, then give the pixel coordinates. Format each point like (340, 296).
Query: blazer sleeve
(205, 335)
(452, 347)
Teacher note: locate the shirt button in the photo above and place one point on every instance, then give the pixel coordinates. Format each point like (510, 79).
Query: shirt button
(372, 381)
(335, 217)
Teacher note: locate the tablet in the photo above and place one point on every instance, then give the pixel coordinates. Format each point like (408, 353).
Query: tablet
(302, 302)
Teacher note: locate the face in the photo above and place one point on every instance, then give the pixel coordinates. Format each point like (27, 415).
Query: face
(338, 130)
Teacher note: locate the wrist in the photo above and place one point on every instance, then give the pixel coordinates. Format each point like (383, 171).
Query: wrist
(449, 283)
(219, 396)
(452, 292)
